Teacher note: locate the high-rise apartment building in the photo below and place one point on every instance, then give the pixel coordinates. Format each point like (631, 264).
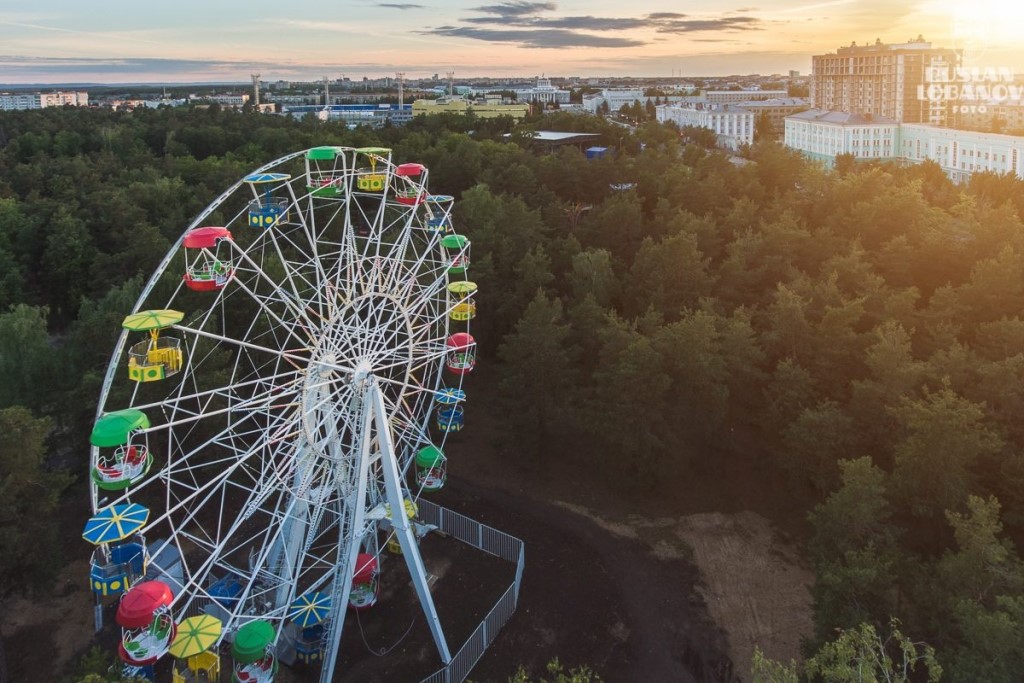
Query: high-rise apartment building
(885, 80)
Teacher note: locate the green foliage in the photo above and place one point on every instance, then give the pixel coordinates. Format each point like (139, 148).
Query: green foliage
(857, 655)
(540, 370)
(862, 655)
(854, 550)
(28, 498)
(556, 673)
(100, 666)
(27, 359)
(766, 670)
(946, 433)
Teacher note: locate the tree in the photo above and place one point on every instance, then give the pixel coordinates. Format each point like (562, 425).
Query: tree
(764, 130)
(981, 601)
(862, 655)
(815, 441)
(670, 274)
(592, 274)
(27, 361)
(858, 655)
(580, 674)
(945, 433)
(28, 500)
(539, 370)
(854, 551)
(766, 670)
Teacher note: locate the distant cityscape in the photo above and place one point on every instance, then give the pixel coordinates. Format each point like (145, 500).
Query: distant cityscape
(906, 102)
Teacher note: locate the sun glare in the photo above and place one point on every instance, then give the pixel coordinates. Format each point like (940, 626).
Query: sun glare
(977, 25)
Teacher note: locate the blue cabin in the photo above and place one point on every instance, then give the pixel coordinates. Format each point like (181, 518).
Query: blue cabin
(450, 418)
(115, 570)
(225, 591)
(309, 645)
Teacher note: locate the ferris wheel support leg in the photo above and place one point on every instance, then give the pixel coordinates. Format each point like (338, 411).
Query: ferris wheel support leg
(402, 526)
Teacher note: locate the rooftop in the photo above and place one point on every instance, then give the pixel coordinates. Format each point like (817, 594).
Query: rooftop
(842, 118)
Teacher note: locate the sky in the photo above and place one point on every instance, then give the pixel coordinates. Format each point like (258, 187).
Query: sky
(71, 41)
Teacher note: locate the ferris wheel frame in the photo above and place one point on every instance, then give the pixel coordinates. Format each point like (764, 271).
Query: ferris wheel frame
(333, 380)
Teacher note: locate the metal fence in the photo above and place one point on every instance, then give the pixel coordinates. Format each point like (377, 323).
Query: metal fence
(496, 543)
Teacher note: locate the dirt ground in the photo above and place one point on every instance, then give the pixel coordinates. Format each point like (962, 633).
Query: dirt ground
(674, 580)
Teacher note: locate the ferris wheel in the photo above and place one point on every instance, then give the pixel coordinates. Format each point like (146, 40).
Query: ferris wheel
(277, 402)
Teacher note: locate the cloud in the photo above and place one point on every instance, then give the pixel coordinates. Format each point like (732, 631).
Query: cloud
(400, 5)
(516, 8)
(586, 23)
(536, 38)
(521, 22)
(699, 25)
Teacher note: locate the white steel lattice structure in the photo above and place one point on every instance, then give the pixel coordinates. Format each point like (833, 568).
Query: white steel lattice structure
(312, 346)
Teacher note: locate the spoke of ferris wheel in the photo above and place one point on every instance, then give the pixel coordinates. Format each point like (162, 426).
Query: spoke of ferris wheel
(199, 416)
(298, 360)
(222, 390)
(288, 327)
(193, 504)
(290, 272)
(292, 268)
(212, 486)
(292, 304)
(270, 534)
(414, 299)
(422, 330)
(421, 358)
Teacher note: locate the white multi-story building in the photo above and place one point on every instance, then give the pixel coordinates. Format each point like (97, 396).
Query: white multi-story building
(736, 124)
(823, 135)
(36, 100)
(733, 96)
(542, 92)
(238, 100)
(962, 152)
(615, 97)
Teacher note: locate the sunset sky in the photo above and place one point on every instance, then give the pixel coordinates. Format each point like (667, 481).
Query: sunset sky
(200, 40)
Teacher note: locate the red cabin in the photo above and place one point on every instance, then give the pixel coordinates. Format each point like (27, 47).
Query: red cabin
(206, 269)
(461, 353)
(409, 170)
(365, 582)
(147, 627)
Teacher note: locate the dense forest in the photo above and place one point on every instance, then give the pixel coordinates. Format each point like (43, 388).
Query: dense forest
(860, 330)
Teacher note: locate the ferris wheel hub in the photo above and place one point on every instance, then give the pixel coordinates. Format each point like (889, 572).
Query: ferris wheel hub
(362, 370)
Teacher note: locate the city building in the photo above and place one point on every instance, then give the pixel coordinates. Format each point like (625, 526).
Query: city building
(823, 135)
(884, 79)
(542, 92)
(354, 114)
(735, 96)
(37, 100)
(776, 110)
(615, 98)
(230, 100)
(962, 152)
(992, 116)
(734, 124)
(485, 109)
